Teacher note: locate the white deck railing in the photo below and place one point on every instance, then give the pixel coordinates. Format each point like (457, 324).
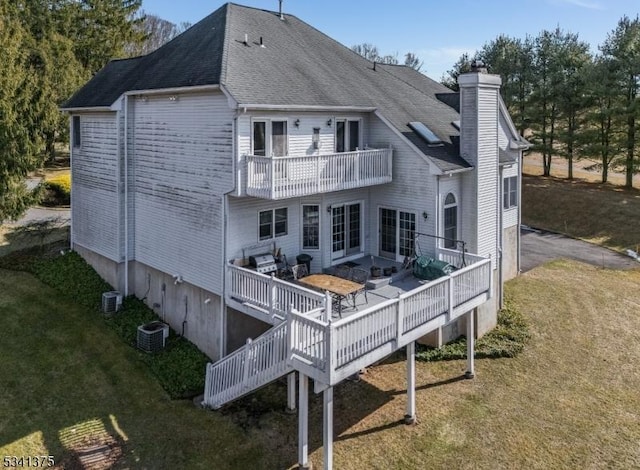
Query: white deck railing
(286, 177)
(255, 364)
(330, 351)
(269, 294)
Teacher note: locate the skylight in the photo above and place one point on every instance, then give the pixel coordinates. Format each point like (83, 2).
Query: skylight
(425, 133)
(456, 124)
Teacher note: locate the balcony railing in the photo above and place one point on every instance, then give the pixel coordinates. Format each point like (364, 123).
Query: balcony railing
(286, 177)
(270, 295)
(331, 351)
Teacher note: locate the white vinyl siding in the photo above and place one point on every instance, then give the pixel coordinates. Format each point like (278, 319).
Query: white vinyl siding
(181, 164)
(94, 179)
(413, 188)
(510, 216)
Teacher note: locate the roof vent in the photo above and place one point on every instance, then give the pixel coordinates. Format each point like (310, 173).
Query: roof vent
(425, 133)
(281, 15)
(456, 124)
(246, 40)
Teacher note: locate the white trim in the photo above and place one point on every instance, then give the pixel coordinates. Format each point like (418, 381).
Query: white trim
(518, 142)
(443, 206)
(163, 91)
(347, 133)
(397, 256)
(268, 133)
(93, 109)
(319, 205)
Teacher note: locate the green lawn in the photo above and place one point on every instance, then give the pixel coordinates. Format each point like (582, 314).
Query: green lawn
(69, 384)
(569, 400)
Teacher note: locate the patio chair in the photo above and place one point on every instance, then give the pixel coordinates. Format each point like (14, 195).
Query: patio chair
(361, 276)
(342, 271)
(299, 271)
(284, 268)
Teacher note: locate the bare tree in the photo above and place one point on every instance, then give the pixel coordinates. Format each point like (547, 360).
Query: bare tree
(157, 32)
(371, 52)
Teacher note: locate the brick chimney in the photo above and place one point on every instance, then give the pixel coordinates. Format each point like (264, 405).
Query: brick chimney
(479, 117)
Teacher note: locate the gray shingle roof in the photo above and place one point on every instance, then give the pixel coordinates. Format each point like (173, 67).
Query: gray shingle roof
(298, 65)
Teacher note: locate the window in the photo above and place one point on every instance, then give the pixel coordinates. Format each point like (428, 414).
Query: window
(270, 138)
(450, 221)
(510, 192)
(347, 135)
(272, 223)
(259, 138)
(407, 233)
(76, 131)
(316, 138)
(310, 227)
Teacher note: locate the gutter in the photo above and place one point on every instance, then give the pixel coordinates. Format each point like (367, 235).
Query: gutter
(459, 170)
(301, 107)
(91, 109)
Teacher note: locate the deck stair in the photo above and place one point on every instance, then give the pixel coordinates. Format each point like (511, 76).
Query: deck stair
(250, 367)
(329, 351)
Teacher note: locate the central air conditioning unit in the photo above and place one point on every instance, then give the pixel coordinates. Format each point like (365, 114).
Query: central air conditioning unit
(152, 337)
(111, 301)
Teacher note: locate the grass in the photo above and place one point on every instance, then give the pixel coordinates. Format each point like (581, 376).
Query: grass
(569, 400)
(180, 367)
(69, 383)
(602, 214)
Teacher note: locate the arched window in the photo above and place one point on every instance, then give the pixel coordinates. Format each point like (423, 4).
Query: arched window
(450, 221)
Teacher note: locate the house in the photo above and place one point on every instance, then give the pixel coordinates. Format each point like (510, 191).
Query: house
(252, 133)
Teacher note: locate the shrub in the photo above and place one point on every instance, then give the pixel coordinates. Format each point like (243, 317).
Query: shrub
(507, 339)
(57, 191)
(179, 368)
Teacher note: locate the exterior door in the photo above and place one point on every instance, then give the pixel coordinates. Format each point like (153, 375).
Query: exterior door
(388, 233)
(346, 229)
(397, 234)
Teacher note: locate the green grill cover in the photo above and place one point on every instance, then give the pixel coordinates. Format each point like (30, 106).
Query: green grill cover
(430, 269)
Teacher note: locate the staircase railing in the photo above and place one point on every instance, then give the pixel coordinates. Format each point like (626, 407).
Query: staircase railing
(252, 366)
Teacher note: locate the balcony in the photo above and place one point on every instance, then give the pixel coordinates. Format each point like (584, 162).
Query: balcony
(286, 177)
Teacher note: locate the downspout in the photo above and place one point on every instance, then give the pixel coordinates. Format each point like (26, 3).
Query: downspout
(126, 195)
(500, 238)
(225, 211)
(71, 155)
(437, 216)
(519, 212)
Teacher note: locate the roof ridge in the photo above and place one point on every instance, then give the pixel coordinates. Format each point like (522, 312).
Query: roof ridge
(428, 96)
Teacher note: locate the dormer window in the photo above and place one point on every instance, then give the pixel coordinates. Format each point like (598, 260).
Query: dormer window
(270, 138)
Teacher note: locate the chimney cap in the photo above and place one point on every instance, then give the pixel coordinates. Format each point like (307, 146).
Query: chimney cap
(478, 66)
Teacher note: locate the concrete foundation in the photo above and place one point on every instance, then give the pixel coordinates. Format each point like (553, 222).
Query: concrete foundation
(510, 252)
(191, 311)
(240, 327)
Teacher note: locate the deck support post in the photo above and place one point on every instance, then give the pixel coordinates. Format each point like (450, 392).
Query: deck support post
(327, 429)
(410, 416)
(303, 422)
(470, 373)
(291, 392)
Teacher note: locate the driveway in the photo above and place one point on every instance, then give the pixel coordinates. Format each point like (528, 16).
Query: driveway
(35, 214)
(539, 246)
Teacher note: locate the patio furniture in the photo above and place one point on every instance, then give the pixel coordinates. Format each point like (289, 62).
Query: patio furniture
(284, 268)
(339, 288)
(360, 276)
(299, 271)
(343, 271)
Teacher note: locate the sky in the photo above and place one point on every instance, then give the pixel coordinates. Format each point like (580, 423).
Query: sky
(439, 32)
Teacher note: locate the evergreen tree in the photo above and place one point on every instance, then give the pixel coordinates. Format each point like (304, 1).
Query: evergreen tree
(622, 49)
(20, 149)
(573, 61)
(602, 133)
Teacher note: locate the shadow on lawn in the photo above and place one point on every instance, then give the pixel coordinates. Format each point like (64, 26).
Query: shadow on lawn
(262, 415)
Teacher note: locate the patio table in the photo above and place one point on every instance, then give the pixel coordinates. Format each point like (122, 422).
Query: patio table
(338, 287)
